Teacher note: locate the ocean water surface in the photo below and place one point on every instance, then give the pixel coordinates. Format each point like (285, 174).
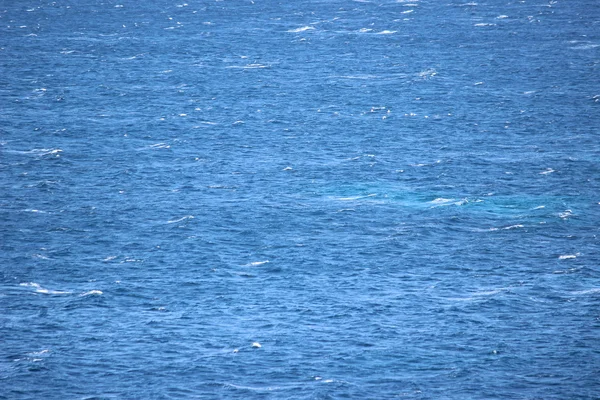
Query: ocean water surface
(311, 199)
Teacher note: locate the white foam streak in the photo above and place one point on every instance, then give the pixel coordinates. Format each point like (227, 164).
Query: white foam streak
(356, 197)
(302, 29)
(588, 291)
(40, 289)
(173, 221)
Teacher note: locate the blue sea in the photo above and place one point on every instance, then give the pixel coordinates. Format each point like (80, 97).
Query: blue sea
(307, 199)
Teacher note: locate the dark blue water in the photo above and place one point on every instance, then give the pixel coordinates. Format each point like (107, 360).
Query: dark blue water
(299, 199)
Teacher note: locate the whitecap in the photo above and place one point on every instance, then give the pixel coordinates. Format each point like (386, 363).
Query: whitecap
(365, 30)
(92, 293)
(507, 228)
(567, 256)
(407, 12)
(302, 29)
(248, 66)
(441, 201)
(547, 171)
(173, 221)
(41, 256)
(428, 73)
(47, 291)
(41, 152)
(159, 146)
(356, 197)
(30, 284)
(566, 214)
(484, 24)
(40, 289)
(386, 32)
(513, 227)
(38, 353)
(489, 292)
(256, 263)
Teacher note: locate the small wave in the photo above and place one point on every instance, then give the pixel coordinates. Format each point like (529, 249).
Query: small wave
(441, 200)
(159, 146)
(40, 289)
(47, 291)
(248, 66)
(448, 202)
(41, 256)
(254, 389)
(39, 353)
(514, 226)
(92, 293)
(30, 284)
(39, 152)
(517, 226)
(173, 221)
(302, 29)
(479, 295)
(489, 292)
(585, 47)
(256, 263)
(428, 73)
(588, 291)
(565, 214)
(362, 77)
(356, 197)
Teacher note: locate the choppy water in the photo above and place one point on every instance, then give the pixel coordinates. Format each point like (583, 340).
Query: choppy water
(299, 199)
